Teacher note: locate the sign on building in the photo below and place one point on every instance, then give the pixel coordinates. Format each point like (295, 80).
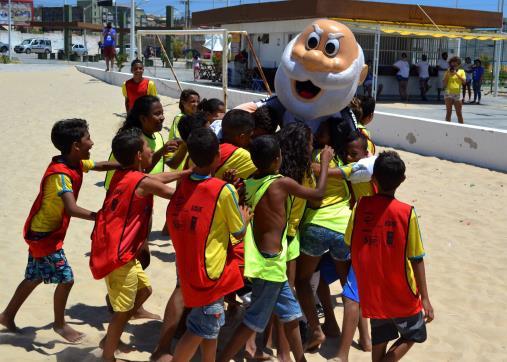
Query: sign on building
(22, 12)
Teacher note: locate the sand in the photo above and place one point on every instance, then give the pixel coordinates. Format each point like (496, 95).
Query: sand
(461, 210)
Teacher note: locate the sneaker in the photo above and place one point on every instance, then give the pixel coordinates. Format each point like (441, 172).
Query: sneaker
(320, 311)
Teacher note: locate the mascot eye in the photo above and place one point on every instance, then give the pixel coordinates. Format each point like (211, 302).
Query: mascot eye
(332, 47)
(313, 41)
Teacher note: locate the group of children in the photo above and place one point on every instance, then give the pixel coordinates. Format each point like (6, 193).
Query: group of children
(255, 214)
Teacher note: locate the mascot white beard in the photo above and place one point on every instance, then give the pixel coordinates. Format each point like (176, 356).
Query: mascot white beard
(336, 89)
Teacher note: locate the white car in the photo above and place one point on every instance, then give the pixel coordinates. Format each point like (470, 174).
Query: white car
(80, 50)
(4, 48)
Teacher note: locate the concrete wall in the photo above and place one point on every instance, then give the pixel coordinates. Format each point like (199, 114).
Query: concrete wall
(480, 146)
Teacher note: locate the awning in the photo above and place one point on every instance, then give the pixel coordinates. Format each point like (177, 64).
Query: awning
(427, 31)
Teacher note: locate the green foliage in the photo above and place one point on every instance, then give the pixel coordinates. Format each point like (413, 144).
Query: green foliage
(121, 59)
(4, 59)
(178, 46)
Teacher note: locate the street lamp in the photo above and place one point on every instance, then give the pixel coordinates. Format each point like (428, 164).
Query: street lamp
(133, 7)
(10, 26)
(84, 21)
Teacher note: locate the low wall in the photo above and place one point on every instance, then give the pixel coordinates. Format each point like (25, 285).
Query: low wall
(480, 146)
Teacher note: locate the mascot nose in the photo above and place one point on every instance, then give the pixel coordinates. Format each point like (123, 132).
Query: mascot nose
(316, 61)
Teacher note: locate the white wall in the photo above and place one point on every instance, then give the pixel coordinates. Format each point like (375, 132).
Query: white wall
(480, 146)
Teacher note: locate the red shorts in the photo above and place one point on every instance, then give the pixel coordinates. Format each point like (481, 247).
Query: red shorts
(109, 52)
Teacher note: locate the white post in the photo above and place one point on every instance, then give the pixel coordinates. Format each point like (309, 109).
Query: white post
(132, 29)
(498, 66)
(376, 56)
(10, 29)
(225, 57)
(458, 52)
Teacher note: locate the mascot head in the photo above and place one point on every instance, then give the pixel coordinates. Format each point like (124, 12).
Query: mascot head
(320, 70)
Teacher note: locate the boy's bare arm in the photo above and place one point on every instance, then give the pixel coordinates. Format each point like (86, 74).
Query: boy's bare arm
(106, 166)
(331, 172)
(168, 177)
(127, 105)
(151, 186)
(246, 215)
(179, 155)
(420, 278)
(72, 209)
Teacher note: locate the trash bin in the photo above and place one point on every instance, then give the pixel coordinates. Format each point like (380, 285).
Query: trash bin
(52, 56)
(42, 56)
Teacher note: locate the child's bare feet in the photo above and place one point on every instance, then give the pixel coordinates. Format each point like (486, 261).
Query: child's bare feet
(315, 340)
(69, 333)
(365, 343)
(8, 323)
(122, 346)
(164, 357)
(142, 313)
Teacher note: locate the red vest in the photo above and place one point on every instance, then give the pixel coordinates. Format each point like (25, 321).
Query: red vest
(136, 90)
(226, 151)
(189, 218)
(122, 225)
(379, 240)
(54, 241)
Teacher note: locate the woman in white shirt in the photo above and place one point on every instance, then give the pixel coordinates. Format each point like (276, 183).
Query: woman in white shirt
(402, 76)
(424, 76)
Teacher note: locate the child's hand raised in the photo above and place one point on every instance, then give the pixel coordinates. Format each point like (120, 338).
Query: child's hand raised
(172, 146)
(230, 176)
(326, 155)
(246, 213)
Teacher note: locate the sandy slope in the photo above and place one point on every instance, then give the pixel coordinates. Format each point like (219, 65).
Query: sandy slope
(461, 210)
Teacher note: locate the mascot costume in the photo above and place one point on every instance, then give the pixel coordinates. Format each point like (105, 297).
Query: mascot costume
(318, 76)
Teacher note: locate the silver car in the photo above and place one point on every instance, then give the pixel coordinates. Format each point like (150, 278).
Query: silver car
(41, 46)
(4, 48)
(25, 46)
(79, 50)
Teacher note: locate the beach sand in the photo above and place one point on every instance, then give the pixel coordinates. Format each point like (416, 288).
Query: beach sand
(461, 211)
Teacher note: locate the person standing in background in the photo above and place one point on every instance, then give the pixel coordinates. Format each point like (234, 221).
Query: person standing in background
(442, 67)
(109, 43)
(477, 75)
(454, 79)
(424, 76)
(468, 68)
(402, 76)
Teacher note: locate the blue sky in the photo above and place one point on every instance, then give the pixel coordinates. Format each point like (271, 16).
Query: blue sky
(158, 6)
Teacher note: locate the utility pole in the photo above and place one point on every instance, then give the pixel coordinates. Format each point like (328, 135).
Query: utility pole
(132, 29)
(10, 29)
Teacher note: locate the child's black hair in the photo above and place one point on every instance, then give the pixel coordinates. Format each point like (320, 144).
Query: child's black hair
(136, 61)
(126, 144)
(296, 156)
(211, 105)
(351, 137)
(389, 170)
(202, 145)
(367, 106)
(264, 150)
(185, 96)
(65, 132)
(142, 107)
(236, 122)
(265, 118)
(189, 123)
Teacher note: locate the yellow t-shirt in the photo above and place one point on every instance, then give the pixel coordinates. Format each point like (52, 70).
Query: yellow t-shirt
(227, 221)
(49, 216)
(152, 89)
(298, 208)
(414, 249)
(241, 161)
(367, 133)
(359, 189)
(454, 82)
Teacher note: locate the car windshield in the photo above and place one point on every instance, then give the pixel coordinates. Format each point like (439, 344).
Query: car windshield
(27, 41)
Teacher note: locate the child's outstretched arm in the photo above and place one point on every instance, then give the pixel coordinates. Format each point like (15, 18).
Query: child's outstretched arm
(168, 177)
(178, 156)
(169, 146)
(307, 193)
(151, 186)
(420, 278)
(72, 209)
(106, 166)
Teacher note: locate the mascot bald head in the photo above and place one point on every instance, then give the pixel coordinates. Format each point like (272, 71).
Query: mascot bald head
(320, 70)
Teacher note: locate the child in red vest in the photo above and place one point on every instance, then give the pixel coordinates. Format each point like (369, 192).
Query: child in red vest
(49, 219)
(387, 257)
(202, 216)
(121, 229)
(137, 86)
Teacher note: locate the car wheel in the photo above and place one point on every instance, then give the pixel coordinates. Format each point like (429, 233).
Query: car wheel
(28, 51)
(47, 51)
(3, 50)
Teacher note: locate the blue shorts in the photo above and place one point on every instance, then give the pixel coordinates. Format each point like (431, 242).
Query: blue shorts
(53, 268)
(327, 268)
(317, 240)
(350, 288)
(206, 321)
(400, 78)
(268, 298)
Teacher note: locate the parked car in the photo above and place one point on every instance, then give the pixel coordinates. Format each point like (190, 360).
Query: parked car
(41, 46)
(25, 46)
(80, 50)
(4, 48)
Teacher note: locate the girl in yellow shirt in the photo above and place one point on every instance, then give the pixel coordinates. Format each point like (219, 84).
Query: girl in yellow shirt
(454, 79)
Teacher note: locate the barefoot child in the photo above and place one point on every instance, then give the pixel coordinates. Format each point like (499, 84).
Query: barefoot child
(121, 229)
(202, 216)
(387, 256)
(266, 246)
(49, 219)
(137, 86)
